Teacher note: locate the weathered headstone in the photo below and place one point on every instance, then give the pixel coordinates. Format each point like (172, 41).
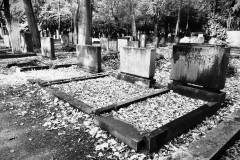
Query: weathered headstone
(89, 57)
(143, 41)
(113, 45)
(6, 40)
(138, 61)
(104, 43)
(204, 65)
(26, 42)
(122, 42)
(47, 46)
(65, 39)
(233, 38)
(133, 44)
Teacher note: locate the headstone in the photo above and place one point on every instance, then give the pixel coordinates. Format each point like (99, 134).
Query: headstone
(65, 39)
(104, 43)
(143, 41)
(138, 61)
(26, 42)
(122, 42)
(57, 34)
(233, 38)
(203, 65)
(71, 38)
(6, 40)
(47, 46)
(89, 57)
(133, 44)
(113, 45)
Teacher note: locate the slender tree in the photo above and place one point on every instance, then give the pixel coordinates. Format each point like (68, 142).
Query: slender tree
(176, 38)
(32, 25)
(133, 20)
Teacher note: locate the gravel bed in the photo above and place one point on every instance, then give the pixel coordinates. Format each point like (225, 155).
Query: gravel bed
(102, 91)
(47, 75)
(157, 111)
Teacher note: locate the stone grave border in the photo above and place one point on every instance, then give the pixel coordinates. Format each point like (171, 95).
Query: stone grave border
(155, 139)
(24, 69)
(5, 56)
(218, 139)
(127, 132)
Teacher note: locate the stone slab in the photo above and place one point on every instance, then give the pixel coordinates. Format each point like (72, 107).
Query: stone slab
(121, 130)
(26, 42)
(113, 45)
(69, 99)
(233, 38)
(204, 65)
(134, 44)
(122, 43)
(216, 141)
(47, 47)
(89, 57)
(6, 40)
(144, 82)
(4, 56)
(138, 61)
(126, 103)
(104, 43)
(157, 138)
(197, 92)
(61, 81)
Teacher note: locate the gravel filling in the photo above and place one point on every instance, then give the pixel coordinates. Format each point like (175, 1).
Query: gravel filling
(46, 75)
(102, 91)
(158, 111)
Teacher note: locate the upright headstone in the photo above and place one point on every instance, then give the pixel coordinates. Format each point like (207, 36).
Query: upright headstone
(47, 46)
(65, 39)
(26, 42)
(143, 41)
(89, 57)
(138, 61)
(122, 42)
(233, 38)
(203, 65)
(6, 40)
(104, 43)
(113, 45)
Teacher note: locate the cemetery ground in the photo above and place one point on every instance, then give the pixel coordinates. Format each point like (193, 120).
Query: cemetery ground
(37, 125)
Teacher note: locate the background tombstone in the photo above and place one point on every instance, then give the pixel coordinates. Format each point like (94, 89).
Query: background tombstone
(122, 42)
(65, 39)
(6, 40)
(104, 44)
(26, 42)
(113, 45)
(143, 41)
(47, 46)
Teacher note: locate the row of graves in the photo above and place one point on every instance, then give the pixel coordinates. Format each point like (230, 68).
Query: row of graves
(198, 74)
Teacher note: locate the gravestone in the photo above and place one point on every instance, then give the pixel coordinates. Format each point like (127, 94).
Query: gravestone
(65, 39)
(143, 41)
(113, 45)
(89, 57)
(133, 44)
(26, 42)
(122, 42)
(6, 40)
(203, 65)
(104, 43)
(138, 61)
(47, 46)
(233, 38)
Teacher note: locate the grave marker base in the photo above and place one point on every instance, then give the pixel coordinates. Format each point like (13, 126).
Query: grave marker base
(144, 82)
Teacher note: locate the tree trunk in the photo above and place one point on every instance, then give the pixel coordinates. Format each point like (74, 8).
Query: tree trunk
(84, 22)
(13, 28)
(133, 23)
(32, 25)
(156, 31)
(176, 38)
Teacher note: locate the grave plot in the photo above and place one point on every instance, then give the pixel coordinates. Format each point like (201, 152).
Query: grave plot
(99, 91)
(198, 72)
